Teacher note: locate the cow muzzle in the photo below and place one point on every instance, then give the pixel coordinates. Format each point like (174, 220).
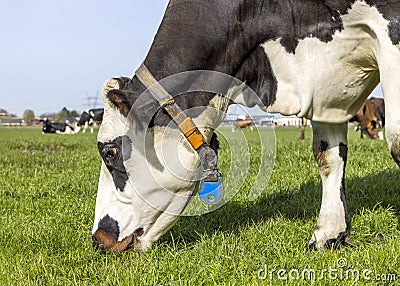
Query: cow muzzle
(106, 243)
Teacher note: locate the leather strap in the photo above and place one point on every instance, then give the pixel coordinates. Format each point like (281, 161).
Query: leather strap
(167, 102)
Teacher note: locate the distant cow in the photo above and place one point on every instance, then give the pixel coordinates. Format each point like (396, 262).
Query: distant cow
(56, 127)
(371, 118)
(379, 105)
(89, 118)
(303, 128)
(246, 123)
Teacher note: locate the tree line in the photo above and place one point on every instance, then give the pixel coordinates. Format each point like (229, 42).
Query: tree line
(62, 116)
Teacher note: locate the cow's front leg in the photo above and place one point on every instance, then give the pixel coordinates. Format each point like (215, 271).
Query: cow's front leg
(330, 151)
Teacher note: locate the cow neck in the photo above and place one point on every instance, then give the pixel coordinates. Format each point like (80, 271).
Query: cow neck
(203, 35)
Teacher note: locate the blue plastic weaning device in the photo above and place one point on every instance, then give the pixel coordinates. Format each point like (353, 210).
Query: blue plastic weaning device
(211, 188)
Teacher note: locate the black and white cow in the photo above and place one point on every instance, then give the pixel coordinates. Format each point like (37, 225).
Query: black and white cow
(56, 127)
(89, 118)
(314, 59)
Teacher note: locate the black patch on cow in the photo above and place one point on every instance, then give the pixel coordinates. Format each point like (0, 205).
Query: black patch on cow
(258, 74)
(85, 117)
(396, 157)
(114, 153)
(53, 127)
(343, 152)
(343, 149)
(298, 20)
(110, 226)
(323, 146)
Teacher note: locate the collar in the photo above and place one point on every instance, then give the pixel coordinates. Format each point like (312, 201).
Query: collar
(184, 122)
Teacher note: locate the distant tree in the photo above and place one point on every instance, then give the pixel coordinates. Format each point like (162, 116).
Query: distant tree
(62, 115)
(28, 116)
(3, 112)
(73, 114)
(65, 114)
(48, 115)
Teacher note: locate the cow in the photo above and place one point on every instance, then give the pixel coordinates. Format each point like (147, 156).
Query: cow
(89, 118)
(56, 127)
(314, 59)
(379, 106)
(241, 124)
(370, 118)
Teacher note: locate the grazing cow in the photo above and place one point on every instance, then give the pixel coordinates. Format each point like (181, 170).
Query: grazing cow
(314, 59)
(89, 118)
(379, 106)
(240, 124)
(56, 127)
(371, 118)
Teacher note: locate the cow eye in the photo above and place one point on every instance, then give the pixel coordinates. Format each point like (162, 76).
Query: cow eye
(109, 151)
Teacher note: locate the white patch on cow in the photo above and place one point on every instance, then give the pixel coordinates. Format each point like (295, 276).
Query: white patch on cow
(77, 128)
(309, 80)
(69, 130)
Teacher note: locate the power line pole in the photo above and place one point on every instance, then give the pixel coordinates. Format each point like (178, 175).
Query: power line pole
(91, 101)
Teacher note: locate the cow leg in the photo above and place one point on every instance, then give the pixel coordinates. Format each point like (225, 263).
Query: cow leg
(389, 68)
(330, 151)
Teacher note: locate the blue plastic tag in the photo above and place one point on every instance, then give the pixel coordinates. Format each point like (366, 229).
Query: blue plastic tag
(211, 190)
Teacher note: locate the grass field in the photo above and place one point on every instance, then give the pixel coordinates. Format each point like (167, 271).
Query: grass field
(48, 186)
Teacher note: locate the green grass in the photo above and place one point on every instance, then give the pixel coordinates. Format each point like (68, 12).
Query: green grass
(48, 186)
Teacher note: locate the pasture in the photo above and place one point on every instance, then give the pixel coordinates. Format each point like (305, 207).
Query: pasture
(48, 186)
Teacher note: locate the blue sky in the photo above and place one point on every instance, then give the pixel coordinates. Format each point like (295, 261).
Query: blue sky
(54, 52)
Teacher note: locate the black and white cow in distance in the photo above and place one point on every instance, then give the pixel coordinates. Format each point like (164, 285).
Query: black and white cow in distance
(314, 59)
(89, 118)
(56, 127)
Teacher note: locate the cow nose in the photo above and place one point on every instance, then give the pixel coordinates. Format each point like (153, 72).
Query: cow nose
(106, 235)
(103, 241)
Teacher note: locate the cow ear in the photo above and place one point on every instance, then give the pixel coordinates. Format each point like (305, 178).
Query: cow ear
(114, 96)
(120, 99)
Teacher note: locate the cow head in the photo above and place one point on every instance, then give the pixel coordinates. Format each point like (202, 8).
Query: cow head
(149, 171)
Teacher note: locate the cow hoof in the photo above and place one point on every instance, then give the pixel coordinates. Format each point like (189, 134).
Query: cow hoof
(342, 239)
